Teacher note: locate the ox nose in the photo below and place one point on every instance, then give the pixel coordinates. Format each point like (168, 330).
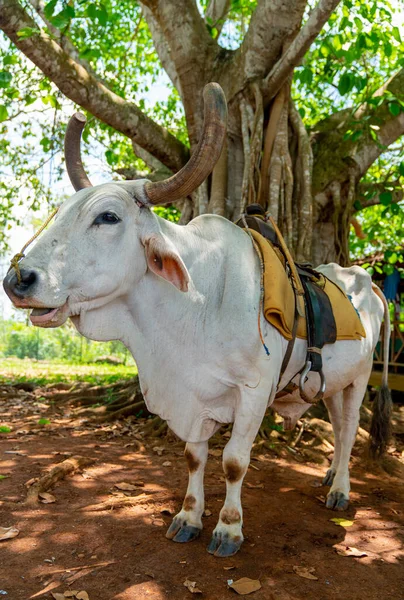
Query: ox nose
(21, 288)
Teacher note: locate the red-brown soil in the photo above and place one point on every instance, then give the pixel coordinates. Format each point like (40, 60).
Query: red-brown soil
(286, 523)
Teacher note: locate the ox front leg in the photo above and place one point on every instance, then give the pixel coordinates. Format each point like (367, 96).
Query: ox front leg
(228, 536)
(187, 524)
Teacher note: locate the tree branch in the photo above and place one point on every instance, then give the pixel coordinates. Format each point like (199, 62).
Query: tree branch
(273, 23)
(83, 88)
(216, 13)
(335, 154)
(192, 52)
(390, 127)
(298, 48)
(379, 188)
(161, 47)
(63, 41)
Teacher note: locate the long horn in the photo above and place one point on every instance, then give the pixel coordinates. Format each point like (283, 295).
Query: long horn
(207, 153)
(75, 168)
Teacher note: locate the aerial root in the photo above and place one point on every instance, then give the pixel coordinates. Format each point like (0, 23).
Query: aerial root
(57, 473)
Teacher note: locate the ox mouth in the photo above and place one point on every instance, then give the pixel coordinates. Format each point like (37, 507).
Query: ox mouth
(42, 315)
(45, 316)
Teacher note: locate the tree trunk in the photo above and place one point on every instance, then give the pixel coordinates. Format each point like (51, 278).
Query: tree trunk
(268, 159)
(308, 183)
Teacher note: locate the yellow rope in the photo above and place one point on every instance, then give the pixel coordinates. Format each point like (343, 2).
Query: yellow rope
(16, 259)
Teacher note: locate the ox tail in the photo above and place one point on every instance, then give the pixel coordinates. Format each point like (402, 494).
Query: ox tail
(380, 428)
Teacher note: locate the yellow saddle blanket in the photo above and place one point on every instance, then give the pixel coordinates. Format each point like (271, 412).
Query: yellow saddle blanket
(279, 299)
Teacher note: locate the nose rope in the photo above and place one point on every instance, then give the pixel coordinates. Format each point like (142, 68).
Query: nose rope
(14, 262)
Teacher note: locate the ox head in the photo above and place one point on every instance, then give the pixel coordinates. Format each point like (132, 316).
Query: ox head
(104, 239)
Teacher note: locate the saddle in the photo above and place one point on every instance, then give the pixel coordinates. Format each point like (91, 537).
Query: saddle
(316, 322)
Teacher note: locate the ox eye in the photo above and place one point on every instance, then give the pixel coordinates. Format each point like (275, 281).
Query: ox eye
(108, 218)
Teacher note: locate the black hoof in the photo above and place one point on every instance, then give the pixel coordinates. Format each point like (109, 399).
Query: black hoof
(223, 545)
(187, 533)
(337, 501)
(174, 528)
(329, 477)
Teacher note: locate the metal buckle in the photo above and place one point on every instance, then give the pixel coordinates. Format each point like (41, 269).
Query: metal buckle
(303, 374)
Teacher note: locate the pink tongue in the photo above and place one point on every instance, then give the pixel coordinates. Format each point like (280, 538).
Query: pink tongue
(43, 318)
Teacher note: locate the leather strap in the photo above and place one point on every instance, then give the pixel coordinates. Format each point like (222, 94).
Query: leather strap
(291, 342)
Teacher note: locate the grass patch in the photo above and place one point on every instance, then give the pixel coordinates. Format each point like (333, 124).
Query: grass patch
(41, 372)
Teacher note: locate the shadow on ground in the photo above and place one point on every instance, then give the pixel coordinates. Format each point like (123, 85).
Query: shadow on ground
(286, 523)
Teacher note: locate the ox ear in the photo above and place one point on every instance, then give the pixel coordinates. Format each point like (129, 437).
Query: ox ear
(164, 261)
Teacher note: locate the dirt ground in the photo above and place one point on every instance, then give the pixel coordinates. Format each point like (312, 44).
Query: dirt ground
(121, 553)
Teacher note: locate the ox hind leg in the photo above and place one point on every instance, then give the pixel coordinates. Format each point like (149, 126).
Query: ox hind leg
(345, 420)
(334, 406)
(227, 536)
(187, 524)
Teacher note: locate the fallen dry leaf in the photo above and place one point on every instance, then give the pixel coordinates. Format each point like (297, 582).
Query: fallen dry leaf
(46, 498)
(167, 463)
(191, 586)
(254, 467)
(6, 533)
(305, 572)
(31, 482)
(71, 593)
(159, 522)
(229, 568)
(166, 511)
(159, 450)
(127, 487)
(258, 486)
(82, 596)
(207, 513)
(351, 551)
(245, 586)
(316, 483)
(215, 452)
(342, 522)
(58, 596)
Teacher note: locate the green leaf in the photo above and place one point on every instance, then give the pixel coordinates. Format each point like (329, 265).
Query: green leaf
(388, 269)
(5, 429)
(386, 198)
(394, 108)
(388, 49)
(63, 18)
(345, 84)
(370, 270)
(5, 78)
(3, 113)
(401, 168)
(3, 477)
(356, 135)
(43, 421)
(27, 32)
(102, 15)
(10, 59)
(49, 8)
(306, 76)
(91, 11)
(393, 258)
(396, 34)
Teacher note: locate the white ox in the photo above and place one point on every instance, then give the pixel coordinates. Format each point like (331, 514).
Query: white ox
(185, 301)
